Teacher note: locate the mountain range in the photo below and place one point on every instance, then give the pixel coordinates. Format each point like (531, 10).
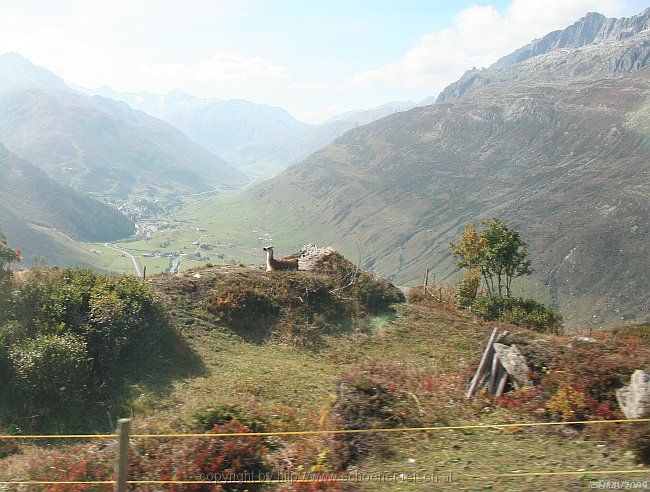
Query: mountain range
(257, 139)
(32, 205)
(553, 138)
(97, 145)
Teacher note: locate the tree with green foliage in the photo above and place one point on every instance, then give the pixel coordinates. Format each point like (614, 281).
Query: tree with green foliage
(7, 254)
(498, 252)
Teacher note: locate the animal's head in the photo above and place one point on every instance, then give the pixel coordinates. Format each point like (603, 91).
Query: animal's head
(268, 248)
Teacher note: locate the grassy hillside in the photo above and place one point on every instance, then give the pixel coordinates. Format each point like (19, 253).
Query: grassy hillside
(280, 385)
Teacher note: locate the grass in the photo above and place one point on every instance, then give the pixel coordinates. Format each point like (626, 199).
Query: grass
(294, 386)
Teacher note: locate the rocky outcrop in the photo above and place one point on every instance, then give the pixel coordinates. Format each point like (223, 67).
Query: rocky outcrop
(593, 47)
(514, 362)
(593, 28)
(634, 399)
(311, 256)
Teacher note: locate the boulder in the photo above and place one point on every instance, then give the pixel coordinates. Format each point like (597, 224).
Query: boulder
(311, 256)
(514, 362)
(634, 399)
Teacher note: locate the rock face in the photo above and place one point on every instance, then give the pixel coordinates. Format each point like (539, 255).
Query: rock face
(592, 28)
(593, 46)
(514, 362)
(634, 398)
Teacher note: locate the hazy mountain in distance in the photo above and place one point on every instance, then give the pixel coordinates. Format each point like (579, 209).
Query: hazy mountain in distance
(553, 141)
(257, 139)
(17, 73)
(97, 145)
(427, 101)
(216, 124)
(32, 203)
(266, 158)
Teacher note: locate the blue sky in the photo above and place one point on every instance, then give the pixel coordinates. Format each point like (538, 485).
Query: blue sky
(316, 58)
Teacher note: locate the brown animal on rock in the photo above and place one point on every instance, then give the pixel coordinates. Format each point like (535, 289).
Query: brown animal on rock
(284, 264)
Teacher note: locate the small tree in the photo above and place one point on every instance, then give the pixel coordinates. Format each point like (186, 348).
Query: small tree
(497, 251)
(7, 255)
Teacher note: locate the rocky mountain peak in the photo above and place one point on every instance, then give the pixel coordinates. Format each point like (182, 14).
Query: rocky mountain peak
(593, 47)
(592, 28)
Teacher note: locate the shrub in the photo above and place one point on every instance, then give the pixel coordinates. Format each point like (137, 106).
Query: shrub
(368, 398)
(51, 367)
(569, 403)
(433, 296)
(68, 333)
(517, 311)
(215, 458)
(9, 447)
(298, 307)
(370, 294)
(206, 418)
(468, 288)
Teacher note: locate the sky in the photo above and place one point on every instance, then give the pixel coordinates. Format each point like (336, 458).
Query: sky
(315, 58)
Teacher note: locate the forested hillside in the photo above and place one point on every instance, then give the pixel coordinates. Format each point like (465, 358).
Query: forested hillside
(31, 201)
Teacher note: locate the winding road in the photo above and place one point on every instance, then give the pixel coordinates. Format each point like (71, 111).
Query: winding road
(134, 260)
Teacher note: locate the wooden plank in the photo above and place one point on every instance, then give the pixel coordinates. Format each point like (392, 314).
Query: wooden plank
(502, 384)
(489, 350)
(482, 381)
(122, 455)
(494, 369)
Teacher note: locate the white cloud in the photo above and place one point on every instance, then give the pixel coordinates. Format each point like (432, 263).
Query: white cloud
(479, 36)
(222, 71)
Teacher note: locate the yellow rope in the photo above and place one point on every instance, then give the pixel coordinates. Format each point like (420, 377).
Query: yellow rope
(394, 477)
(333, 431)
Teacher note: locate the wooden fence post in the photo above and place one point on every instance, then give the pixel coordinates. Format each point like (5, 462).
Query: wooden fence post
(144, 273)
(122, 456)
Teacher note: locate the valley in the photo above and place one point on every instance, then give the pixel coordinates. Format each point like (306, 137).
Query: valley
(461, 291)
(221, 228)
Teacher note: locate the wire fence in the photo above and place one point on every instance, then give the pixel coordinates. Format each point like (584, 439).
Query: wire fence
(121, 482)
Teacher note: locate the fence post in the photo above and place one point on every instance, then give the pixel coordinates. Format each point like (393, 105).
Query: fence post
(122, 456)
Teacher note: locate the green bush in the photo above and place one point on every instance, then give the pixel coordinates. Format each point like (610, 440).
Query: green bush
(468, 288)
(206, 418)
(73, 332)
(517, 311)
(50, 368)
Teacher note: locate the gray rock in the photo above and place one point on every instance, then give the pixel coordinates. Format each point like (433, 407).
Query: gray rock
(634, 399)
(312, 256)
(514, 363)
